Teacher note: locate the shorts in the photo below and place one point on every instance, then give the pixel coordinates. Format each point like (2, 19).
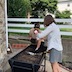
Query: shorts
(55, 56)
(34, 41)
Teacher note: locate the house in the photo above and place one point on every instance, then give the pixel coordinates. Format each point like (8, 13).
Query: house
(64, 5)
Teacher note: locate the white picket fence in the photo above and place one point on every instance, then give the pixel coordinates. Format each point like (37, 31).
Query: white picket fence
(69, 26)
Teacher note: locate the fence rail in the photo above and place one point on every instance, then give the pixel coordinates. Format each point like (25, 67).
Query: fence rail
(31, 25)
(36, 20)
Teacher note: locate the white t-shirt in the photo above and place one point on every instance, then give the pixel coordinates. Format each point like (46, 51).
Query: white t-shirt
(53, 37)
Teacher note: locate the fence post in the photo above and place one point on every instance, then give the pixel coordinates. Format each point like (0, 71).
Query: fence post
(6, 23)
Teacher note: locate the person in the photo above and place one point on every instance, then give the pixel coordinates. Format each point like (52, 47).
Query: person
(54, 45)
(32, 36)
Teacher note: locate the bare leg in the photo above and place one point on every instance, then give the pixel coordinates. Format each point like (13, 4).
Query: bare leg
(56, 67)
(38, 43)
(59, 68)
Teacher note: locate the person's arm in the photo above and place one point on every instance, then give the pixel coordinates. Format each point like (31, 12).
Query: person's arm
(45, 32)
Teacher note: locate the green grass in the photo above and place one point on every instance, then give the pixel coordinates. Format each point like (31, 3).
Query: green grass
(63, 36)
(66, 29)
(27, 28)
(26, 34)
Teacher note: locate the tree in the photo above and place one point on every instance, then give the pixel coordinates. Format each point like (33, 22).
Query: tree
(39, 7)
(64, 14)
(18, 8)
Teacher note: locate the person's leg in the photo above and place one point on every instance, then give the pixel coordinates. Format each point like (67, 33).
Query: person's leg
(54, 58)
(59, 68)
(56, 67)
(38, 44)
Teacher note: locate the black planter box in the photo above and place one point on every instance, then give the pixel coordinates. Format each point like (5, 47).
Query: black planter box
(23, 62)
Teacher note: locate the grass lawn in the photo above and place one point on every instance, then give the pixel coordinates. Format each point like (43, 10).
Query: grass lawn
(26, 34)
(66, 29)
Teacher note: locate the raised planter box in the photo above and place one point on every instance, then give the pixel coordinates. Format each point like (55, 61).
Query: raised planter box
(23, 62)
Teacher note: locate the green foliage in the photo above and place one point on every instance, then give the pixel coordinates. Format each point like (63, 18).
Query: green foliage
(39, 7)
(64, 14)
(18, 8)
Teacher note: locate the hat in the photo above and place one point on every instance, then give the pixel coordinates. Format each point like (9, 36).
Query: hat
(36, 25)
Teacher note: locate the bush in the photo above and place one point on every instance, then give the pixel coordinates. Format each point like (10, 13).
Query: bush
(64, 14)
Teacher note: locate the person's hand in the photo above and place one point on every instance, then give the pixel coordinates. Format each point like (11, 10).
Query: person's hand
(48, 51)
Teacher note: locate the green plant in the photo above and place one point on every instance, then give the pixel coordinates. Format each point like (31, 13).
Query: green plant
(64, 14)
(18, 8)
(39, 7)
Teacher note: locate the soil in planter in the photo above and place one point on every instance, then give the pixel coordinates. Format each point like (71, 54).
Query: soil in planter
(25, 57)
